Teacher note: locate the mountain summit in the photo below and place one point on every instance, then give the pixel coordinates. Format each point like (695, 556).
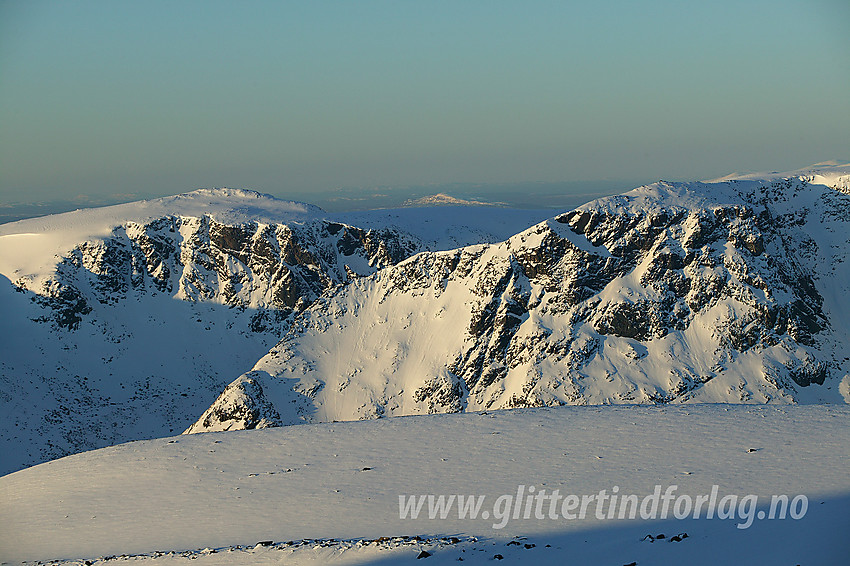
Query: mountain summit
(728, 292)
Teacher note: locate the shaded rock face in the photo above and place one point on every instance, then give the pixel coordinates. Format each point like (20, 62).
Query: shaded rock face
(274, 270)
(693, 260)
(682, 264)
(442, 394)
(616, 302)
(241, 406)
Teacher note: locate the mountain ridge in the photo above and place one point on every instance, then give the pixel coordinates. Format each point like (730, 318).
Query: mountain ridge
(133, 329)
(712, 291)
(126, 322)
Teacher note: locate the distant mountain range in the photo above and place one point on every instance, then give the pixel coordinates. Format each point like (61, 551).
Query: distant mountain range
(129, 321)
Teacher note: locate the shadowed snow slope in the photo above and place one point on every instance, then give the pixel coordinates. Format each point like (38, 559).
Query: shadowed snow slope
(343, 481)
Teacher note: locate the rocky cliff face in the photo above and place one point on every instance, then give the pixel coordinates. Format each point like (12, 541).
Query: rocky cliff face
(723, 292)
(273, 269)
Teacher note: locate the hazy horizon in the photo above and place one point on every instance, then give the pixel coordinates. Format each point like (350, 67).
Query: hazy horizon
(552, 196)
(106, 102)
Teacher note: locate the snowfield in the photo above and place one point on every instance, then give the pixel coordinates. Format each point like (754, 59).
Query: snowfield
(211, 498)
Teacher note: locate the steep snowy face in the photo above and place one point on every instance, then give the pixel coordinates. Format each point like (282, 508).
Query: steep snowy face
(126, 322)
(130, 332)
(721, 292)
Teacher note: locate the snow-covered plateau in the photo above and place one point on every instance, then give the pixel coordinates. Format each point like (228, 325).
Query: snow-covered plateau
(713, 314)
(211, 498)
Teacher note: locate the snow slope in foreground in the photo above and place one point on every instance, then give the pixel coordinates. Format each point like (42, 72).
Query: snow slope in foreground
(343, 481)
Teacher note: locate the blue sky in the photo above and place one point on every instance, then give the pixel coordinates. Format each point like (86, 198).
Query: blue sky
(100, 99)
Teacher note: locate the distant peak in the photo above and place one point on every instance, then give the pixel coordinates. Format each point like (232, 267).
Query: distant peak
(246, 201)
(831, 163)
(832, 167)
(444, 199)
(227, 192)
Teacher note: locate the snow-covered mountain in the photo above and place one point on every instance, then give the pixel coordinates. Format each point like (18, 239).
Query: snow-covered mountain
(733, 291)
(125, 322)
(128, 322)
